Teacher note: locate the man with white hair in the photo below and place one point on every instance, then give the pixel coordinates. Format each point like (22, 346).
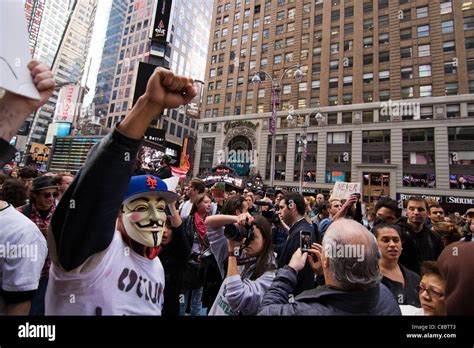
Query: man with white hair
(349, 259)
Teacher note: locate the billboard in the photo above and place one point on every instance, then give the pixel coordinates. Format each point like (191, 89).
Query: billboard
(69, 153)
(192, 109)
(67, 104)
(59, 129)
(161, 21)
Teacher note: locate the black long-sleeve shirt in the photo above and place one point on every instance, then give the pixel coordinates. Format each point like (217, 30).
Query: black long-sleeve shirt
(85, 218)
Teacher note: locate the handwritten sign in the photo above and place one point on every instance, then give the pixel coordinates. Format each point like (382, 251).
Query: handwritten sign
(14, 51)
(343, 190)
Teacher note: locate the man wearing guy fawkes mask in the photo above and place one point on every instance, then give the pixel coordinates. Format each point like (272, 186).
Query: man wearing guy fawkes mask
(107, 229)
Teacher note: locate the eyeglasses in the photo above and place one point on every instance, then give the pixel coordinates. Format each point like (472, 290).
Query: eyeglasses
(431, 292)
(48, 194)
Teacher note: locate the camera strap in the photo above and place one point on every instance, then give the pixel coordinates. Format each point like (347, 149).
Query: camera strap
(246, 260)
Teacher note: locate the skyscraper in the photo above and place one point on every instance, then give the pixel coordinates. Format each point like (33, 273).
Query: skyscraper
(185, 54)
(110, 52)
(392, 79)
(68, 67)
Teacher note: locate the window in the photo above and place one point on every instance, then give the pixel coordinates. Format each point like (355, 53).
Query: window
(423, 31)
(368, 97)
(368, 7)
(277, 59)
(339, 138)
(383, 39)
(333, 82)
(349, 12)
(424, 70)
(348, 45)
(468, 23)
(470, 64)
(426, 91)
(315, 84)
(334, 48)
(424, 50)
(453, 111)
(447, 27)
(406, 73)
(332, 100)
(333, 65)
(368, 59)
(450, 68)
(384, 76)
(286, 89)
(446, 7)
(469, 43)
(451, 89)
(384, 57)
(383, 21)
(405, 34)
(426, 113)
(368, 78)
(407, 92)
(406, 52)
(347, 99)
(422, 12)
(368, 41)
(347, 80)
(448, 46)
(280, 29)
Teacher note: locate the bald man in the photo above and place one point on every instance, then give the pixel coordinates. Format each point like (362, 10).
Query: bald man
(349, 259)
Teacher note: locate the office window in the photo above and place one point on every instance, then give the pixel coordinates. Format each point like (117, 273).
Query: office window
(424, 50)
(423, 31)
(450, 68)
(407, 92)
(368, 41)
(383, 39)
(424, 70)
(446, 7)
(422, 12)
(447, 27)
(405, 34)
(406, 52)
(449, 46)
(384, 57)
(384, 76)
(451, 89)
(426, 91)
(468, 23)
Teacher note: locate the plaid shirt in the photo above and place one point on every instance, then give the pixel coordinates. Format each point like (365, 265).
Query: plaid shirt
(43, 225)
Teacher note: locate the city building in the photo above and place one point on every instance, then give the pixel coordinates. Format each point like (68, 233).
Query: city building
(110, 52)
(185, 53)
(68, 64)
(392, 79)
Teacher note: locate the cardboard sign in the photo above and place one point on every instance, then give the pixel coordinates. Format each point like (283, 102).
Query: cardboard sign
(218, 191)
(343, 190)
(14, 51)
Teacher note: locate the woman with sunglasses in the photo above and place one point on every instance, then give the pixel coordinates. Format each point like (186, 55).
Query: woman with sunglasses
(40, 210)
(431, 292)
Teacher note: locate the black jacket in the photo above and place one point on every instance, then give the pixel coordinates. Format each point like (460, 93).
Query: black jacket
(428, 244)
(286, 251)
(325, 300)
(404, 295)
(174, 257)
(164, 172)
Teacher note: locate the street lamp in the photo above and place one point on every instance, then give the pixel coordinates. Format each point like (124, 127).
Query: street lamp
(275, 100)
(303, 142)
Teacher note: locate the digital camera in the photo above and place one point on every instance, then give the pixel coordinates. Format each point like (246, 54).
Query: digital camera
(238, 232)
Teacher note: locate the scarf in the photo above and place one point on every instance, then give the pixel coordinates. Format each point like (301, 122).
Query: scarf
(200, 225)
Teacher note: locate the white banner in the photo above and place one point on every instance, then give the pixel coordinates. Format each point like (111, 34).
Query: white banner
(67, 106)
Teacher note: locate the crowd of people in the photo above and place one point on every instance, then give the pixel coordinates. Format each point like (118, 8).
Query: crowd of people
(114, 240)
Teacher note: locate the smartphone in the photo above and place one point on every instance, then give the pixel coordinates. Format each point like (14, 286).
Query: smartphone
(357, 194)
(305, 240)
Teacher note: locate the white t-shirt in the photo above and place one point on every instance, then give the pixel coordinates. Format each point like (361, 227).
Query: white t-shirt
(122, 283)
(186, 209)
(22, 253)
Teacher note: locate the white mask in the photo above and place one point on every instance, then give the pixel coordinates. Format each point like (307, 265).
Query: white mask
(144, 219)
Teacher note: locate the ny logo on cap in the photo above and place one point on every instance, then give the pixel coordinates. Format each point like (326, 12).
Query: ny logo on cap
(151, 182)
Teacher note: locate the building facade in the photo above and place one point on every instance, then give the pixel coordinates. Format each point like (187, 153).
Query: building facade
(110, 52)
(393, 80)
(186, 53)
(68, 63)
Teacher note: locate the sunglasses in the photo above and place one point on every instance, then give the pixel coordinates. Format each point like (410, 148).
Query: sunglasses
(431, 292)
(48, 194)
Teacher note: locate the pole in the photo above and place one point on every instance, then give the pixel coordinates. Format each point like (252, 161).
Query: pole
(301, 170)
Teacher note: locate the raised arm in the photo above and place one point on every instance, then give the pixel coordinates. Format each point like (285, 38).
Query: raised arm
(15, 109)
(84, 221)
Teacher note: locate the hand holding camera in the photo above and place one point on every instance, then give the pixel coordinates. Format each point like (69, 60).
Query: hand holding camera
(314, 258)
(298, 260)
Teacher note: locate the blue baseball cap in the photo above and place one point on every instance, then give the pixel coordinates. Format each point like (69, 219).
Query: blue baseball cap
(148, 185)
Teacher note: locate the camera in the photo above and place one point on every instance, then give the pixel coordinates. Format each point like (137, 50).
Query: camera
(238, 232)
(305, 240)
(357, 194)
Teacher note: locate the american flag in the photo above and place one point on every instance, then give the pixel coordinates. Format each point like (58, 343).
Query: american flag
(181, 171)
